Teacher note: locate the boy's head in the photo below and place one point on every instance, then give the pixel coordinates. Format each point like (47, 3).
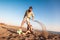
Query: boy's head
(30, 8)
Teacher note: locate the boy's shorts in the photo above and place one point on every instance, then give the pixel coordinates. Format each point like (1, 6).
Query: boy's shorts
(27, 20)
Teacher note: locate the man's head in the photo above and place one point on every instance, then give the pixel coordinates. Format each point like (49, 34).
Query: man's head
(30, 8)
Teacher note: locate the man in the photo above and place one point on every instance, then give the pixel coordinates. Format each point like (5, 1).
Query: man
(27, 17)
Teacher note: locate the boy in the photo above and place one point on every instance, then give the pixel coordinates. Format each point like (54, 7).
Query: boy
(27, 17)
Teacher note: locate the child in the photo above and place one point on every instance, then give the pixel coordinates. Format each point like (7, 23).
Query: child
(27, 16)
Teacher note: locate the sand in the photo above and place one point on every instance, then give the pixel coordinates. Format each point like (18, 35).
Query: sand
(8, 32)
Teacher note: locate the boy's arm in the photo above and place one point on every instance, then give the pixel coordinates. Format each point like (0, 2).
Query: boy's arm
(25, 14)
(32, 16)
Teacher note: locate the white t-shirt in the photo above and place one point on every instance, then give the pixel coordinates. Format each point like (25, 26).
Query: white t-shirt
(28, 14)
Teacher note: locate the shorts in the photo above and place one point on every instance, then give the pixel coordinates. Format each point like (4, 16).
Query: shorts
(27, 20)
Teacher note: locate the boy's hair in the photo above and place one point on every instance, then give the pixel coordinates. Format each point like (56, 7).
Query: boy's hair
(30, 7)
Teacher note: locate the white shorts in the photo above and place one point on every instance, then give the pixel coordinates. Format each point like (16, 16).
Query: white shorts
(27, 20)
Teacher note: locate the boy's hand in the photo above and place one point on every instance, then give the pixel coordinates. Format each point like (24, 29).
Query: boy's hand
(32, 18)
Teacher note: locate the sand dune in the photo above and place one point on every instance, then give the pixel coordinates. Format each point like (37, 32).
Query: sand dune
(8, 32)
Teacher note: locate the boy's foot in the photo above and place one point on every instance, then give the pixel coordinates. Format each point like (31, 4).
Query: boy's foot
(19, 31)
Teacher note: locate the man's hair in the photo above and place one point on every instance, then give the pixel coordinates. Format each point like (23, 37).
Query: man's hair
(30, 7)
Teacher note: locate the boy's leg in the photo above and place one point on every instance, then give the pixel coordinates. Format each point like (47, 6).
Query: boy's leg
(29, 28)
(22, 23)
(28, 23)
(24, 20)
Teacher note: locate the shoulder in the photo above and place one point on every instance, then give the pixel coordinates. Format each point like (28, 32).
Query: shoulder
(27, 10)
(32, 12)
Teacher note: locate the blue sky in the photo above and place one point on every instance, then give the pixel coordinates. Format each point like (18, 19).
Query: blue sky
(45, 11)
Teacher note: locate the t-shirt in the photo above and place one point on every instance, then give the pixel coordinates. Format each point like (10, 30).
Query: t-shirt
(28, 14)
